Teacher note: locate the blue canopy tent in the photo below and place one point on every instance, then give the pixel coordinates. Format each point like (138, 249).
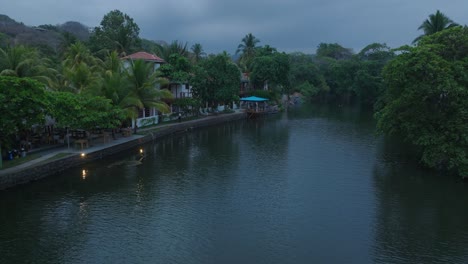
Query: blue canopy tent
(253, 108)
(253, 99)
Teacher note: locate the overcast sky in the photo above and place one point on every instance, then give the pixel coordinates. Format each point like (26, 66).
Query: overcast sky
(288, 25)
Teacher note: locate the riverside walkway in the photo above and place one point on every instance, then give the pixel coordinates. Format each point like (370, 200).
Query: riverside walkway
(49, 153)
(68, 155)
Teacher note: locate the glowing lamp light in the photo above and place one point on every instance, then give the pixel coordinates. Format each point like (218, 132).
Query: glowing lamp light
(83, 174)
(83, 155)
(141, 151)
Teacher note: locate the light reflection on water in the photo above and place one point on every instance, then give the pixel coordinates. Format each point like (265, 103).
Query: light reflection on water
(311, 186)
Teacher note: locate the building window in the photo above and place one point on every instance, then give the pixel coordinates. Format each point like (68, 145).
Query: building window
(147, 112)
(140, 113)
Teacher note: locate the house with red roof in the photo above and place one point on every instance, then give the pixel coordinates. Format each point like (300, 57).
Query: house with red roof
(141, 55)
(146, 116)
(150, 116)
(179, 90)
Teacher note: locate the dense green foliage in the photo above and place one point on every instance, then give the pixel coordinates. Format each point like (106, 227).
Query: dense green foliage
(23, 103)
(187, 104)
(421, 96)
(336, 74)
(426, 99)
(247, 50)
(79, 70)
(197, 53)
(334, 51)
(305, 76)
(166, 50)
(216, 80)
(84, 111)
(118, 32)
(177, 69)
(142, 91)
(271, 71)
(23, 61)
(435, 23)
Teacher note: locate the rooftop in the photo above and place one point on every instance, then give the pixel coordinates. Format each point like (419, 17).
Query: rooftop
(144, 56)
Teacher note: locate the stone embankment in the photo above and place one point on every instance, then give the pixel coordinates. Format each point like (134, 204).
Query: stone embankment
(24, 174)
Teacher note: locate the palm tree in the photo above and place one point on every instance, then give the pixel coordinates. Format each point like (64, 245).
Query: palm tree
(80, 70)
(114, 82)
(21, 61)
(78, 53)
(144, 91)
(435, 23)
(165, 51)
(197, 52)
(247, 48)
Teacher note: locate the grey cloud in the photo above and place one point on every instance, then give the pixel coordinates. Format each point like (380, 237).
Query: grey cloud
(296, 25)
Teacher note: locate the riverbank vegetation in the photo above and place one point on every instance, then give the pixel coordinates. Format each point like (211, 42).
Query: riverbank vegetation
(426, 99)
(418, 92)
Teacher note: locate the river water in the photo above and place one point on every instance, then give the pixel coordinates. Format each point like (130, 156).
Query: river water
(314, 185)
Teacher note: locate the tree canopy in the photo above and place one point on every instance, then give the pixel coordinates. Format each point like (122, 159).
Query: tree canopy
(334, 51)
(117, 31)
(23, 103)
(197, 52)
(435, 23)
(216, 79)
(272, 70)
(426, 99)
(84, 111)
(177, 70)
(247, 49)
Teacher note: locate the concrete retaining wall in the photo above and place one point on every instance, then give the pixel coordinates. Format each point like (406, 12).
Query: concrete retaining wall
(52, 167)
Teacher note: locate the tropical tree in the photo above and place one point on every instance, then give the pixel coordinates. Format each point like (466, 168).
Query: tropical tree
(117, 31)
(23, 103)
(376, 52)
(334, 51)
(435, 23)
(341, 79)
(176, 47)
(22, 61)
(271, 71)
(80, 70)
(216, 80)
(177, 70)
(368, 81)
(84, 111)
(305, 76)
(67, 40)
(197, 52)
(425, 102)
(78, 53)
(247, 49)
(144, 91)
(114, 81)
(265, 51)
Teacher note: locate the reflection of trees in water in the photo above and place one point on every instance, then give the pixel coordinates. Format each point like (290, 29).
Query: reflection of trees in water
(421, 217)
(212, 143)
(45, 219)
(336, 121)
(200, 153)
(269, 135)
(344, 113)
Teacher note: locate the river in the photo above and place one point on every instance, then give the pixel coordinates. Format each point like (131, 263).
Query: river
(314, 185)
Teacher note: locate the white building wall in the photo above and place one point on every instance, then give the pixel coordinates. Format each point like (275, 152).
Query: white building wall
(181, 90)
(151, 119)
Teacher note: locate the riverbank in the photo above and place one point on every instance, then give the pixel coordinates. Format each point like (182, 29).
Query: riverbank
(60, 159)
